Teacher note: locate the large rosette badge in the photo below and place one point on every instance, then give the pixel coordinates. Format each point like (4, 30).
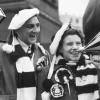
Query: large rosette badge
(63, 76)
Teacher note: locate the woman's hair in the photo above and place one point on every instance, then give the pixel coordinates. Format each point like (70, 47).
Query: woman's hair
(71, 31)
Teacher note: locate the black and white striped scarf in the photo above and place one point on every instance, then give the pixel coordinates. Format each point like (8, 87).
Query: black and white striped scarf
(26, 83)
(86, 79)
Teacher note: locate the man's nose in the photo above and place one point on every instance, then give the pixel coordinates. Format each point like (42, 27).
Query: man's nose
(36, 29)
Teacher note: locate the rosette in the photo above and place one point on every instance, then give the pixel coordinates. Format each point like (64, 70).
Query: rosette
(63, 76)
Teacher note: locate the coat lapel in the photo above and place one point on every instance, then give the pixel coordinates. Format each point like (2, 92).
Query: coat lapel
(37, 54)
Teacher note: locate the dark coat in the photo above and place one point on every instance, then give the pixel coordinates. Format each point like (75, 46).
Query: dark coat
(77, 88)
(67, 96)
(8, 87)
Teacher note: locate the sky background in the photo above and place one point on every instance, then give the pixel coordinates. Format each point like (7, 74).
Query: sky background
(72, 7)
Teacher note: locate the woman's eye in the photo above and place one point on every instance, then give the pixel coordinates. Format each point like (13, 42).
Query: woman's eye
(69, 43)
(78, 43)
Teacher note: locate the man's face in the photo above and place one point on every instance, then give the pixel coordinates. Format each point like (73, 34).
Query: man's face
(71, 44)
(28, 33)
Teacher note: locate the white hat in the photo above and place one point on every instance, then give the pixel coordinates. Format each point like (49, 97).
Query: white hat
(19, 19)
(57, 38)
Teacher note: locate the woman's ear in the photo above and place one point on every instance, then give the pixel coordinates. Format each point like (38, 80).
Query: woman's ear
(59, 51)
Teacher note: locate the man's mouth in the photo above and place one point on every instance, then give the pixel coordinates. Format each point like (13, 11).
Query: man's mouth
(33, 35)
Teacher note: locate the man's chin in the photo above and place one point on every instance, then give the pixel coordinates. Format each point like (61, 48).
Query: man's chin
(33, 42)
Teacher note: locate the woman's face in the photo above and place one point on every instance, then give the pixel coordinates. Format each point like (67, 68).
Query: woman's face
(69, 48)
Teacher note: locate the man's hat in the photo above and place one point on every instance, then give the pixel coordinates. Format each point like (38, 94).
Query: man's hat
(19, 19)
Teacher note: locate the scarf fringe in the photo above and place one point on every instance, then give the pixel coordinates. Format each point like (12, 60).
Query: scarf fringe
(26, 93)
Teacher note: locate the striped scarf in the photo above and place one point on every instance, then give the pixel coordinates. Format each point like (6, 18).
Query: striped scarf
(87, 83)
(26, 83)
(86, 79)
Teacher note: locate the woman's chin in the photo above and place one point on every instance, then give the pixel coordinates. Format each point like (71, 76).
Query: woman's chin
(75, 59)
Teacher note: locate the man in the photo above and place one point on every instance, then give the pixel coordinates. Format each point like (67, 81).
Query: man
(91, 27)
(22, 60)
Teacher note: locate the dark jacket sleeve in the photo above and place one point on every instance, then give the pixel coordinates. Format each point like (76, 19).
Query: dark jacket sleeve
(41, 76)
(1, 85)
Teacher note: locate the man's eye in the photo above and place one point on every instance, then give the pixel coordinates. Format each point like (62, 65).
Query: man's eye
(33, 25)
(30, 26)
(38, 25)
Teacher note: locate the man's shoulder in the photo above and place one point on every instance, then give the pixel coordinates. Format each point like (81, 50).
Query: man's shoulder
(1, 51)
(42, 49)
(90, 64)
(1, 44)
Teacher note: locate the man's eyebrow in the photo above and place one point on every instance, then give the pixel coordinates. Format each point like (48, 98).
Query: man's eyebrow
(32, 23)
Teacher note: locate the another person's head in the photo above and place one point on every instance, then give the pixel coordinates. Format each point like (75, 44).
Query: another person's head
(26, 25)
(71, 40)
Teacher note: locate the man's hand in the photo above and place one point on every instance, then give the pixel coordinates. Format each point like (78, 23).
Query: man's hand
(41, 63)
(95, 60)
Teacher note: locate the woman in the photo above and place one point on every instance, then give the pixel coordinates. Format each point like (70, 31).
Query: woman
(70, 77)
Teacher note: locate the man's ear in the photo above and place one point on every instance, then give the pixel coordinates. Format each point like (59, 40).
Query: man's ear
(60, 49)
